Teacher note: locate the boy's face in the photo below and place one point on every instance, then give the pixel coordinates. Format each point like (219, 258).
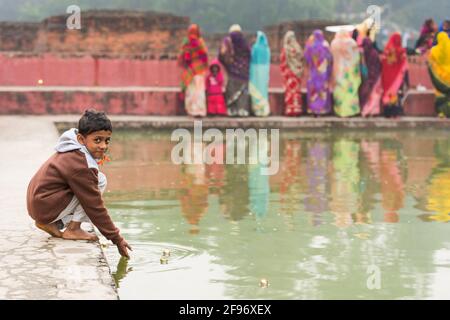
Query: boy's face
(97, 142)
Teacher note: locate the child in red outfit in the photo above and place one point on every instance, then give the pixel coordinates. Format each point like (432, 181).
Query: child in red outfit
(214, 84)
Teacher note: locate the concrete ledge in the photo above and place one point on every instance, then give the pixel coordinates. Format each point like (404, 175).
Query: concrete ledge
(130, 122)
(144, 101)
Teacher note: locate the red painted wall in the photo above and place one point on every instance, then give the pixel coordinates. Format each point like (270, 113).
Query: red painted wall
(88, 71)
(123, 73)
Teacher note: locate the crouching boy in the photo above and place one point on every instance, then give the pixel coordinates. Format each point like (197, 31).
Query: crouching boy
(67, 189)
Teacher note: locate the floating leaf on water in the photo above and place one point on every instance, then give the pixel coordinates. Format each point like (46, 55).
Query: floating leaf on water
(362, 236)
(264, 283)
(164, 260)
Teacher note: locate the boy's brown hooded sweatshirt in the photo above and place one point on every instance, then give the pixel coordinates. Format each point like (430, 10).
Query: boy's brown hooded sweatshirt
(71, 171)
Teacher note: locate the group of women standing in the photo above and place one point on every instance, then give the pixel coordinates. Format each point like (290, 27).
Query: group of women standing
(350, 77)
(247, 68)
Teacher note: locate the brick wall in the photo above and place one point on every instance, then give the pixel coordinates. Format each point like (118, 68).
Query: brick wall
(18, 36)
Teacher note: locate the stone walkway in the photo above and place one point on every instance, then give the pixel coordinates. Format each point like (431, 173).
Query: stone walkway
(33, 265)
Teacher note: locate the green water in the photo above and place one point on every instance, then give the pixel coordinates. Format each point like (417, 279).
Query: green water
(342, 202)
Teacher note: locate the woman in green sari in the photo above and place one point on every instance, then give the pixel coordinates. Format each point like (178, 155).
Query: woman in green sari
(346, 75)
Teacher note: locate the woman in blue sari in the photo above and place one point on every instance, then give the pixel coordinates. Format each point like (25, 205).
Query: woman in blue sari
(259, 76)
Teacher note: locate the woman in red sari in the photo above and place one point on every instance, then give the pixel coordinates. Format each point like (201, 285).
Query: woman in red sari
(394, 76)
(292, 70)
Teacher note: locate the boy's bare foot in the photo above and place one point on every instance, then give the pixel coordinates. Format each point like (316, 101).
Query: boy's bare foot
(78, 234)
(51, 229)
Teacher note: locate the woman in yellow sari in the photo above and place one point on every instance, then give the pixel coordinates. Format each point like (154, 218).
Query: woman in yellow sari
(439, 67)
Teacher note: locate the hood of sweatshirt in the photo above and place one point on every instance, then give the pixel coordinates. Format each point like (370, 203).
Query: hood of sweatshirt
(69, 142)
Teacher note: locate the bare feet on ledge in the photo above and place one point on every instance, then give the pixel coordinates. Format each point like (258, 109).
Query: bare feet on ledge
(51, 229)
(78, 234)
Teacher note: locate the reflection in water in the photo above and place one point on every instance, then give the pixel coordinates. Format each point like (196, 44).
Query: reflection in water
(439, 187)
(234, 196)
(290, 184)
(316, 198)
(345, 182)
(194, 198)
(258, 184)
(341, 202)
(121, 271)
(370, 180)
(392, 189)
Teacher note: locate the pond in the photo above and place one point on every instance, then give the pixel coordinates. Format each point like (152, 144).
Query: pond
(349, 215)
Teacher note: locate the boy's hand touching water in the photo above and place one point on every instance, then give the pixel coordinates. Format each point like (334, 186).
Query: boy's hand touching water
(122, 247)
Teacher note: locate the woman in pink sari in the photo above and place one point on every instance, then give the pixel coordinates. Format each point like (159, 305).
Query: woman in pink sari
(292, 70)
(395, 76)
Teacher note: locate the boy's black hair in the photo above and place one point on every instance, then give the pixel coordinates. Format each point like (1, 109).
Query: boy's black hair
(92, 121)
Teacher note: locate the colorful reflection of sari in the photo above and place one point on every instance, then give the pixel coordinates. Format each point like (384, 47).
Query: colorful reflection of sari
(258, 184)
(259, 76)
(235, 57)
(392, 186)
(438, 190)
(370, 90)
(234, 195)
(292, 70)
(319, 61)
(316, 198)
(194, 199)
(439, 195)
(395, 67)
(194, 61)
(290, 180)
(370, 178)
(345, 193)
(439, 68)
(346, 74)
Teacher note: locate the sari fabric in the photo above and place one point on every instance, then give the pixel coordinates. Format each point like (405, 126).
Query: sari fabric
(194, 61)
(395, 66)
(194, 56)
(439, 68)
(235, 57)
(319, 61)
(427, 36)
(259, 76)
(292, 70)
(370, 90)
(214, 84)
(346, 74)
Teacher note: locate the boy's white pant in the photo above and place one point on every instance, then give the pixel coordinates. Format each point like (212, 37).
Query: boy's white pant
(74, 211)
